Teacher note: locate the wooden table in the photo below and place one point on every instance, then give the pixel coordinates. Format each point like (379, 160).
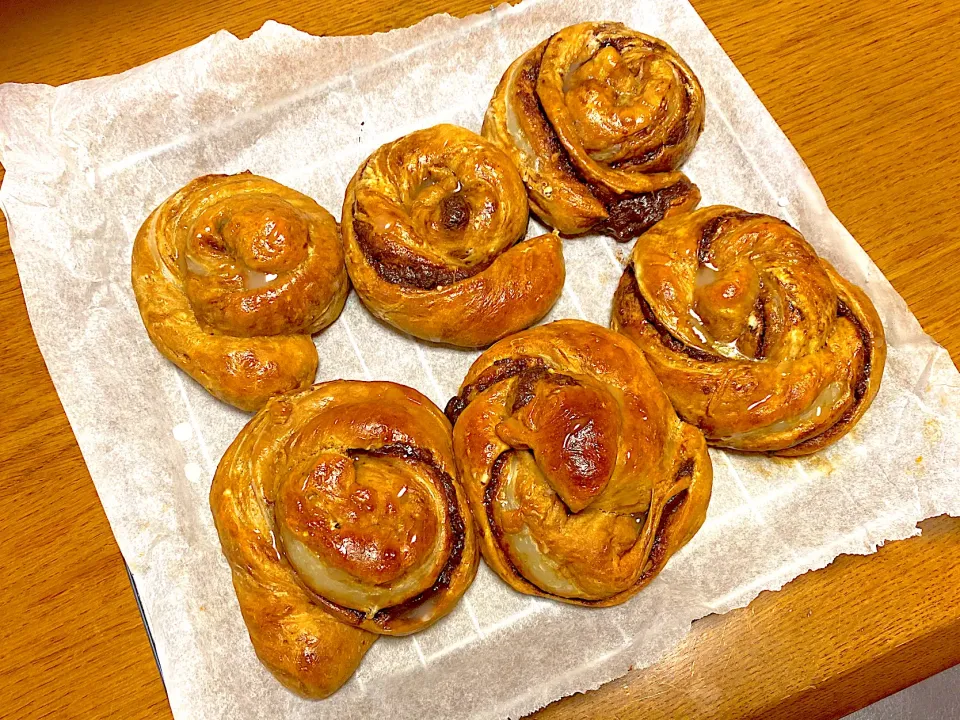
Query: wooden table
(866, 91)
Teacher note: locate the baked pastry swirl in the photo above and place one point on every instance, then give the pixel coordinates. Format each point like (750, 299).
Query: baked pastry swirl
(582, 480)
(340, 513)
(232, 274)
(758, 341)
(433, 226)
(599, 118)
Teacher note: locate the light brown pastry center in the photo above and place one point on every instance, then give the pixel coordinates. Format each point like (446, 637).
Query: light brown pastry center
(573, 432)
(725, 299)
(267, 234)
(609, 100)
(453, 210)
(248, 268)
(437, 207)
(445, 205)
(365, 533)
(249, 240)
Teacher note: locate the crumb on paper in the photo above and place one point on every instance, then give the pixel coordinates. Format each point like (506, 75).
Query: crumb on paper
(931, 430)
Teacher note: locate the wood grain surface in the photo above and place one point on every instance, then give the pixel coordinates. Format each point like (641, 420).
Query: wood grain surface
(866, 91)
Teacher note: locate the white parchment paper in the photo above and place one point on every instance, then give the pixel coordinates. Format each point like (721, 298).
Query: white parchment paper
(87, 162)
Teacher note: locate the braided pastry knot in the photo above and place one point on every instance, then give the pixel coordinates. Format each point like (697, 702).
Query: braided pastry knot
(757, 340)
(582, 480)
(599, 118)
(340, 513)
(433, 225)
(232, 274)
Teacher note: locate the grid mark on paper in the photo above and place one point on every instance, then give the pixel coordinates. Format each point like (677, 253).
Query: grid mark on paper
(575, 300)
(754, 509)
(473, 617)
(356, 348)
(817, 558)
(416, 646)
(612, 255)
(204, 450)
(450, 648)
(428, 370)
(531, 607)
(785, 489)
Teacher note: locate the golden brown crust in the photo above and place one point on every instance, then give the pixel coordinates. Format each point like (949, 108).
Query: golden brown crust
(340, 513)
(757, 340)
(599, 118)
(433, 227)
(582, 480)
(232, 274)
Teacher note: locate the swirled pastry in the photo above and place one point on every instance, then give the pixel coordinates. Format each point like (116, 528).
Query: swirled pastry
(433, 226)
(339, 511)
(599, 118)
(582, 480)
(233, 273)
(758, 341)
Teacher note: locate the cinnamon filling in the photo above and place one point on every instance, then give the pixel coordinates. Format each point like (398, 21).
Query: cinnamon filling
(635, 214)
(500, 370)
(398, 265)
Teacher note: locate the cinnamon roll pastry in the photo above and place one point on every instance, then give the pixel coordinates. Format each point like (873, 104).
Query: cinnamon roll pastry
(758, 341)
(340, 513)
(599, 118)
(232, 274)
(433, 226)
(582, 480)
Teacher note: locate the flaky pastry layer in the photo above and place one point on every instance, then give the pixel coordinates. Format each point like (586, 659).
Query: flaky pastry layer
(581, 478)
(758, 341)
